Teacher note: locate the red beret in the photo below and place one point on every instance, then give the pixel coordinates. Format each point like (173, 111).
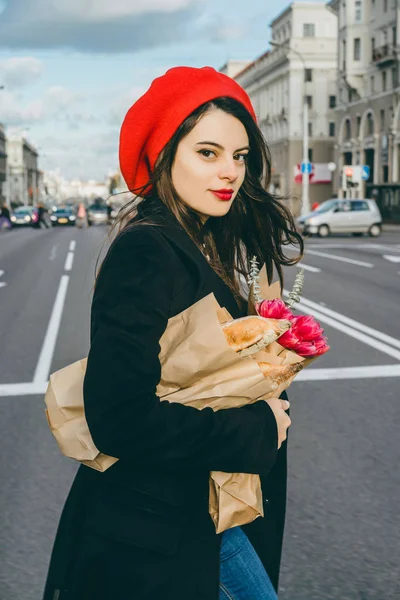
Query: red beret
(151, 122)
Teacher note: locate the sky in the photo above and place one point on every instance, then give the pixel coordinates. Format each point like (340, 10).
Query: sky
(72, 68)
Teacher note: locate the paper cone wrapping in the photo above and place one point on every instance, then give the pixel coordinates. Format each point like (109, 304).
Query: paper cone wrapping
(198, 368)
(66, 417)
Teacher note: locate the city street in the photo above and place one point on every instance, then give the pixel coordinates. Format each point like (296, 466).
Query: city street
(343, 519)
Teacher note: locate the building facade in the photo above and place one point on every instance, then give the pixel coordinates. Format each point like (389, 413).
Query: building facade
(3, 161)
(368, 107)
(22, 171)
(301, 63)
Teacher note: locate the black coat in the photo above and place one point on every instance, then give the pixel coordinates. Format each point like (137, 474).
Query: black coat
(142, 530)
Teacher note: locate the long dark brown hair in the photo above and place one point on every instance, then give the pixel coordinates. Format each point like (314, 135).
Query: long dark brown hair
(257, 224)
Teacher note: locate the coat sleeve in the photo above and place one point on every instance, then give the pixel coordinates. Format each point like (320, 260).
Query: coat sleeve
(126, 418)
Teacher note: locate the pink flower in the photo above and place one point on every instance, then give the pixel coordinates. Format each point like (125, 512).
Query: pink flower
(307, 328)
(305, 337)
(274, 309)
(314, 348)
(289, 339)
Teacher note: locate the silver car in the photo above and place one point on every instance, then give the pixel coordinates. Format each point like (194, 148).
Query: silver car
(97, 214)
(342, 216)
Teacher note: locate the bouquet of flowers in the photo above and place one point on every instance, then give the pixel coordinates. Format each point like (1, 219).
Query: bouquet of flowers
(305, 336)
(207, 359)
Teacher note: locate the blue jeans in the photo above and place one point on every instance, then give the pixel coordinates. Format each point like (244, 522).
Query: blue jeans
(242, 575)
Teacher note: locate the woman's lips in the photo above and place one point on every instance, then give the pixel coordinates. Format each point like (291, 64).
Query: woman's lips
(223, 195)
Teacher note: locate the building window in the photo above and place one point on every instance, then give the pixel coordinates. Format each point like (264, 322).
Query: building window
(382, 116)
(308, 30)
(373, 48)
(308, 75)
(309, 129)
(344, 55)
(373, 8)
(357, 49)
(385, 5)
(358, 12)
(358, 125)
(310, 154)
(384, 81)
(331, 129)
(370, 124)
(309, 101)
(347, 131)
(332, 101)
(385, 173)
(394, 78)
(372, 84)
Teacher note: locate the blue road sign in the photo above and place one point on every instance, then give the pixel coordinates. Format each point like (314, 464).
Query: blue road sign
(365, 172)
(306, 167)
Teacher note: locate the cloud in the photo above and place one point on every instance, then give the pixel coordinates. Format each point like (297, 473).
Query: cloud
(78, 155)
(20, 71)
(57, 103)
(121, 104)
(96, 25)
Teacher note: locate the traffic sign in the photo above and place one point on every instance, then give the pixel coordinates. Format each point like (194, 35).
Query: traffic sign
(306, 167)
(365, 172)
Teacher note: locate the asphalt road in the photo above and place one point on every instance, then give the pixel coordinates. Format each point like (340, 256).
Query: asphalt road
(342, 537)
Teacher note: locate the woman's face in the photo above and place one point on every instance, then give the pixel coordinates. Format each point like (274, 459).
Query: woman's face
(210, 164)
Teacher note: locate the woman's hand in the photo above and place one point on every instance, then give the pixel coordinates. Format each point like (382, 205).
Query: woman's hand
(283, 420)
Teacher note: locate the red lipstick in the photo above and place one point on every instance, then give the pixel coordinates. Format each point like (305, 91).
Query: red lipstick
(224, 194)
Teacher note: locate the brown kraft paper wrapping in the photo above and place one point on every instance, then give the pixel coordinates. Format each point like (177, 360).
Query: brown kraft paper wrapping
(198, 368)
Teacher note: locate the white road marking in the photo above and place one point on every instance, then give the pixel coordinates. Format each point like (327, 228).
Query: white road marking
(53, 252)
(360, 263)
(72, 245)
(375, 246)
(379, 335)
(69, 261)
(329, 374)
(47, 351)
(308, 268)
(2, 283)
(394, 259)
(23, 389)
(369, 372)
(321, 315)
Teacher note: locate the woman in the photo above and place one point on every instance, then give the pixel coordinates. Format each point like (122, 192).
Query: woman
(5, 220)
(142, 530)
(81, 217)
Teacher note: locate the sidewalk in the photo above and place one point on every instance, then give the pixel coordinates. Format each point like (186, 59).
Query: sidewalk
(391, 227)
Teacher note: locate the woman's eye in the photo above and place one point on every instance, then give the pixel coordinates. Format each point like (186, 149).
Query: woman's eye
(241, 157)
(206, 153)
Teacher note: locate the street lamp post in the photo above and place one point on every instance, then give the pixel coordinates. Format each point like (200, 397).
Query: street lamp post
(305, 209)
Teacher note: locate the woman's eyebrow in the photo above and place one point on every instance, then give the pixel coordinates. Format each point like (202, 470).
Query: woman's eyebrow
(221, 147)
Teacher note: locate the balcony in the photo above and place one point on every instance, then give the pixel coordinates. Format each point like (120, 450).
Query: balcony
(384, 55)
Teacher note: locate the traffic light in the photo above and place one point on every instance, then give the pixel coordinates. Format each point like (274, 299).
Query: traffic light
(348, 177)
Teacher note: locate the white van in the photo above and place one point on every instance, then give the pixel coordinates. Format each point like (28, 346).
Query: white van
(342, 216)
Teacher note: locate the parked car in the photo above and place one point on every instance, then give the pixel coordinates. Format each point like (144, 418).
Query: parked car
(25, 216)
(63, 216)
(342, 216)
(97, 214)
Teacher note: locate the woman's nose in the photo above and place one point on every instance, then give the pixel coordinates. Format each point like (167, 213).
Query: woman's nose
(229, 170)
